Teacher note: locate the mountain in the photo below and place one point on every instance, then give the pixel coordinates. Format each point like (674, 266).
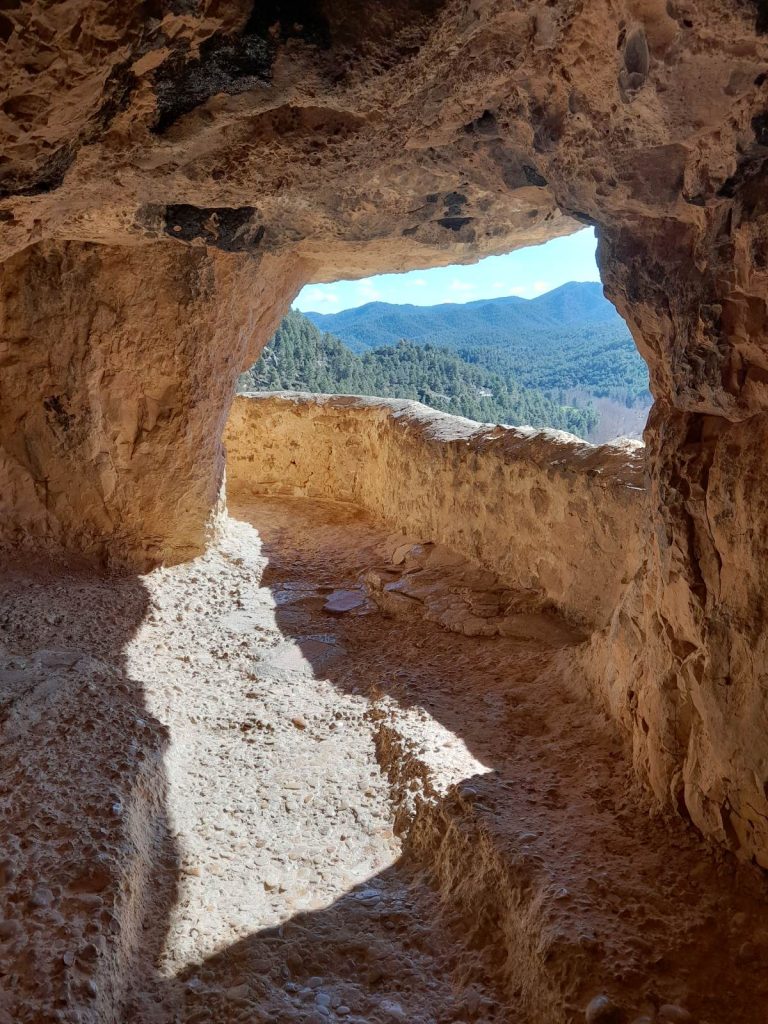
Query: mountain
(484, 322)
(300, 357)
(569, 338)
(577, 303)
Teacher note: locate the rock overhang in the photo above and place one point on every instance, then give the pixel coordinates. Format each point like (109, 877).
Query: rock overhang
(415, 132)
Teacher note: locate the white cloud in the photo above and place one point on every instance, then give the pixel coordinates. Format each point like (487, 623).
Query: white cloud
(462, 286)
(420, 282)
(368, 291)
(530, 291)
(319, 295)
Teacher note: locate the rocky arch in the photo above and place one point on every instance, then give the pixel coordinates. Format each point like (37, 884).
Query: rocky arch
(172, 173)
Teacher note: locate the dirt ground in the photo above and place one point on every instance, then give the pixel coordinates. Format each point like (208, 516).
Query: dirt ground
(223, 802)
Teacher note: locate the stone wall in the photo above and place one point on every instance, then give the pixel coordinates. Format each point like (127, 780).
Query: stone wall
(573, 522)
(541, 509)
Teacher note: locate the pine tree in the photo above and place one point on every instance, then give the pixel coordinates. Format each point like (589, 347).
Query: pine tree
(299, 357)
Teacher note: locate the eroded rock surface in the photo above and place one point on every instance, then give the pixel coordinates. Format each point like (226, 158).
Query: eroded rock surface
(222, 803)
(563, 521)
(420, 134)
(277, 143)
(121, 397)
(541, 510)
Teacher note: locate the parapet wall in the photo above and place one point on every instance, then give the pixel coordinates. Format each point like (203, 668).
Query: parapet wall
(540, 508)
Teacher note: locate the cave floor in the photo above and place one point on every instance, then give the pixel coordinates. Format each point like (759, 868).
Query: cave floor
(223, 803)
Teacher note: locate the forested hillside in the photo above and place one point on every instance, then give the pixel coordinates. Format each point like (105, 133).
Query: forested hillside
(569, 338)
(300, 357)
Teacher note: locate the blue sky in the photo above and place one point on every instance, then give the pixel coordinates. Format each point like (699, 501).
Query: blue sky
(526, 272)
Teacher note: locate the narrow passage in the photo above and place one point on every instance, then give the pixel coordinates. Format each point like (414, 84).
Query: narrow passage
(300, 800)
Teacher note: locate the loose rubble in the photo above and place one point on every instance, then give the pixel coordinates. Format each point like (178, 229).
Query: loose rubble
(444, 587)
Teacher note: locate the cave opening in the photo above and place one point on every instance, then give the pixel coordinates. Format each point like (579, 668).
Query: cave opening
(438, 720)
(521, 339)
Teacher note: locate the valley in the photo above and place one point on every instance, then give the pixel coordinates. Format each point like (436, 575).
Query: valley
(565, 360)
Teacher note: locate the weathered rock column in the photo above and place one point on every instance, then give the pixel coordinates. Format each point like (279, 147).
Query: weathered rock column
(118, 368)
(685, 664)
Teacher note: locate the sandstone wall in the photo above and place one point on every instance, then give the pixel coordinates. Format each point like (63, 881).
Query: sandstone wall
(259, 146)
(684, 663)
(540, 508)
(117, 369)
(572, 521)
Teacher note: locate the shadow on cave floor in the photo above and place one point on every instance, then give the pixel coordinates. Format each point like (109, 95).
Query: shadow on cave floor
(223, 804)
(88, 866)
(384, 951)
(531, 831)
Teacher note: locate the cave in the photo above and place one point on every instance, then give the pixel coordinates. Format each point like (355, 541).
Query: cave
(172, 174)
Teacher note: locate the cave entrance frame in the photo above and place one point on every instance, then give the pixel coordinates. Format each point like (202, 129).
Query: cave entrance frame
(568, 384)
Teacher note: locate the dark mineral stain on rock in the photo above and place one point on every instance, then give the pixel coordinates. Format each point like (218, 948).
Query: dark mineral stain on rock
(533, 177)
(232, 230)
(291, 19)
(54, 406)
(49, 175)
(234, 63)
(227, 64)
(46, 178)
(454, 223)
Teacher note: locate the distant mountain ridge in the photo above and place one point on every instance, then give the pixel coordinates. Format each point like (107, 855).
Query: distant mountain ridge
(570, 342)
(483, 322)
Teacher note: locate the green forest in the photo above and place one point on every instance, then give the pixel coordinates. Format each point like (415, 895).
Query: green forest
(568, 338)
(302, 358)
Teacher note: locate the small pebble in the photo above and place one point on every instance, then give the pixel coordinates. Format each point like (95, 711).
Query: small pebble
(41, 897)
(393, 1009)
(603, 1010)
